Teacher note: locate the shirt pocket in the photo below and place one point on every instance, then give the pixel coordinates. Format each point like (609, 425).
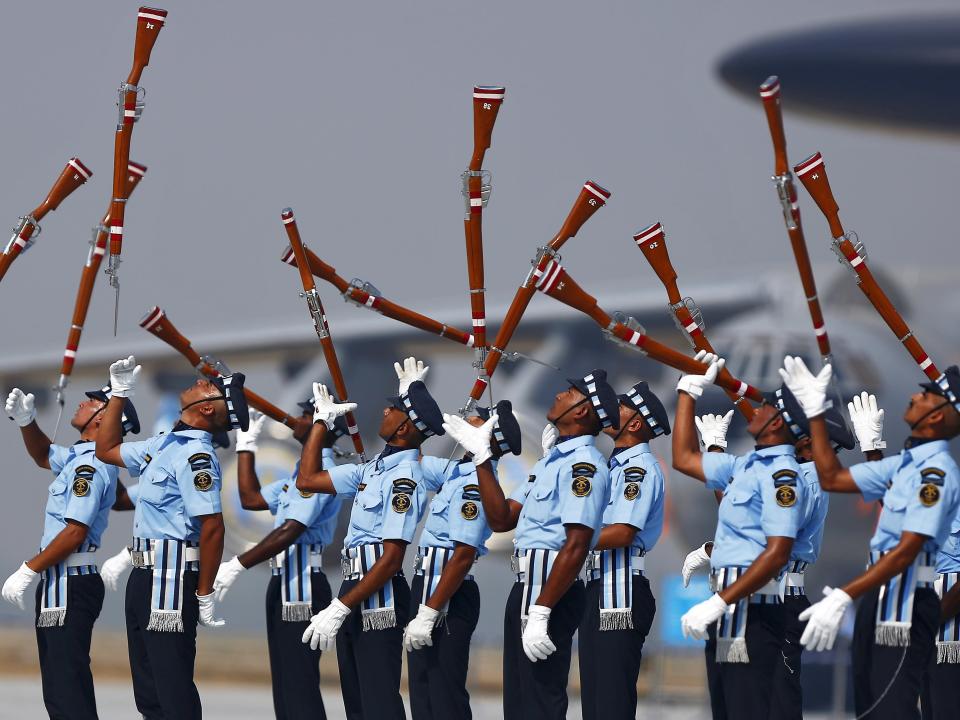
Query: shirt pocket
(542, 502)
(155, 488)
(743, 511)
(58, 487)
(366, 515)
(893, 514)
(439, 505)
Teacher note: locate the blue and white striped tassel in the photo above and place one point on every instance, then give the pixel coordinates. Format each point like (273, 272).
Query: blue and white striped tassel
(377, 612)
(616, 589)
(732, 627)
(166, 601)
(539, 565)
(295, 589)
(948, 636)
(432, 562)
(53, 596)
(895, 606)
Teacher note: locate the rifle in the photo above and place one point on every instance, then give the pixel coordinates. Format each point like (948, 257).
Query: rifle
(486, 104)
(812, 173)
(27, 228)
(365, 295)
(320, 324)
(652, 242)
(130, 106)
(557, 283)
(787, 192)
(157, 323)
(88, 276)
(592, 197)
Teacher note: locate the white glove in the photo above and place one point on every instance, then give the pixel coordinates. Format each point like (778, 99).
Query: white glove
(693, 385)
(824, 620)
(549, 437)
(17, 584)
(227, 574)
(697, 619)
(113, 568)
(475, 440)
(123, 377)
(208, 610)
(537, 644)
(325, 408)
(809, 389)
(418, 632)
(695, 560)
(323, 627)
(247, 439)
(713, 429)
(411, 371)
(20, 408)
(867, 421)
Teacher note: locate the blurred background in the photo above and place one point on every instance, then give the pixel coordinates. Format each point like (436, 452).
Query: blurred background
(359, 117)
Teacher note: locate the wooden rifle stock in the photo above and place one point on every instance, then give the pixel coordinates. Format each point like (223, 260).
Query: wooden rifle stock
(157, 323)
(88, 277)
(812, 172)
(558, 284)
(787, 193)
(362, 297)
(592, 197)
(320, 324)
(486, 104)
(73, 175)
(652, 242)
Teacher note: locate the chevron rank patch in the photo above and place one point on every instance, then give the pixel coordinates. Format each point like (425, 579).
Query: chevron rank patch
(471, 492)
(82, 479)
(933, 475)
(582, 476)
(635, 474)
(200, 461)
(785, 482)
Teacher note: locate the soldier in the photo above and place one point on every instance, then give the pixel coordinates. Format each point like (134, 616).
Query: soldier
(70, 594)
(373, 606)
(177, 534)
(557, 514)
(896, 624)
(620, 606)
(304, 526)
(764, 506)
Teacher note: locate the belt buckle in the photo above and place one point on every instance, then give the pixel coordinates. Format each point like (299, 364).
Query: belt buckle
(515, 564)
(418, 563)
(345, 567)
(137, 558)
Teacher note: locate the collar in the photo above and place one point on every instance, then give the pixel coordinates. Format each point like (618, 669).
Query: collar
(81, 447)
(770, 451)
(181, 428)
(568, 443)
(391, 456)
(927, 449)
(621, 456)
(912, 442)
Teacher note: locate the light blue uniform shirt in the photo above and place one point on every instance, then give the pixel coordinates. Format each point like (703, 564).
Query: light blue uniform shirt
(763, 496)
(180, 480)
(84, 490)
(315, 511)
(569, 485)
(636, 494)
(456, 512)
(920, 488)
(389, 497)
(806, 546)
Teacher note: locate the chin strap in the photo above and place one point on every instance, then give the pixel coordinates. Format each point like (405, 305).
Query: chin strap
(928, 413)
(623, 426)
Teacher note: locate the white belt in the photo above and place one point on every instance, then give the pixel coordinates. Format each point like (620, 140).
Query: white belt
(794, 580)
(771, 588)
(926, 573)
(81, 558)
(593, 563)
(316, 560)
(144, 558)
(518, 565)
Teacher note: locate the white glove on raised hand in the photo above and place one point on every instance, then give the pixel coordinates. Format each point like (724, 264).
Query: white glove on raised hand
(322, 630)
(713, 429)
(20, 408)
(227, 574)
(419, 631)
(247, 439)
(701, 616)
(548, 438)
(823, 620)
(123, 377)
(693, 385)
(411, 371)
(208, 610)
(809, 389)
(537, 644)
(326, 409)
(475, 440)
(113, 568)
(17, 584)
(695, 560)
(867, 421)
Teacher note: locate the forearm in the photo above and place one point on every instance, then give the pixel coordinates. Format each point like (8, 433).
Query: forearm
(496, 507)
(310, 456)
(891, 564)
(60, 548)
(614, 536)
(110, 435)
(211, 551)
(950, 604)
(278, 540)
(566, 567)
(452, 576)
(686, 446)
(379, 575)
(37, 444)
(767, 566)
(830, 471)
(248, 483)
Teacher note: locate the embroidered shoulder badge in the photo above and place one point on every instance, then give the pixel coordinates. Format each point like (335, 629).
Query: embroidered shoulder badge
(785, 481)
(200, 461)
(933, 475)
(203, 481)
(402, 488)
(635, 474)
(469, 510)
(631, 491)
(582, 475)
(81, 486)
(929, 494)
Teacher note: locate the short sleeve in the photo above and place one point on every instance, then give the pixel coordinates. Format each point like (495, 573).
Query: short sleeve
(465, 517)
(271, 494)
(305, 508)
(584, 491)
(433, 469)
(873, 478)
(406, 499)
(57, 456)
(641, 489)
(86, 491)
(133, 454)
(718, 469)
(346, 479)
(932, 508)
(783, 502)
(199, 480)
